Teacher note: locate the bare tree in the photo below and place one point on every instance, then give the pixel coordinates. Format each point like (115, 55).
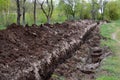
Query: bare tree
(72, 4)
(70, 8)
(49, 11)
(81, 10)
(93, 11)
(24, 12)
(18, 11)
(34, 12)
(95, 8)
(102, 8)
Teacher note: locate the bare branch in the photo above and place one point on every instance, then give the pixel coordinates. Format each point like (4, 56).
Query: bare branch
(48, 13)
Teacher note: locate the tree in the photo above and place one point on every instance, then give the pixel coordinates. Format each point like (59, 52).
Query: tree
(18, 11)
(4, 4)
(96, 5)
(94, 10)
(47, 8)
(102, 6)
(70, 7)
(4, 10)
(82, 8)
(24, 12)
(85, 10)
(112, 10)
(34, 12)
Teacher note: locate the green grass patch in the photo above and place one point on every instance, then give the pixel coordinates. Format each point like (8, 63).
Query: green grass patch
(56, 77)
(2, 27)
(107, 30)
(107, 77)
(111, 65)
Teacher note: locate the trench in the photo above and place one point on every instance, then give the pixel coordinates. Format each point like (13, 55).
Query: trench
(67, 54)
(38, 61)
(85, 61)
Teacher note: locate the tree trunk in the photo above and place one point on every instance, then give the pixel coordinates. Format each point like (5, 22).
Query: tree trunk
(48, 20)
(73, 15)
(104, 6)
(81, 13)
(103, 13)
(24, 12)
(34, 12)
(93, 12)
(48, 13)
(18, 11)
(81, 10)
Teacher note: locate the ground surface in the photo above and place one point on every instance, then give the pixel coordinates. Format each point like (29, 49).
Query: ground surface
(111, 66)
(71, 69)
(32, 53)
(20, 43)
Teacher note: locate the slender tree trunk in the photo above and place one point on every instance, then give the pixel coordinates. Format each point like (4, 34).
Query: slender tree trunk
(18, 11)
(104, 6)
(93, 12)
(48, 20)
(103, 13)
(34, 12)
(24, 12)
(7, 14)
(73, 15)
(81, 12)
(3, 15)
(50, 7)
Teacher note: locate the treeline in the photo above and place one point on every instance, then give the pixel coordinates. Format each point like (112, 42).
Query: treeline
(49, 11)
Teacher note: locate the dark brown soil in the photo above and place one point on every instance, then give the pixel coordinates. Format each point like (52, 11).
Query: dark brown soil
(33, 52)
(85, 62)
(18, 41)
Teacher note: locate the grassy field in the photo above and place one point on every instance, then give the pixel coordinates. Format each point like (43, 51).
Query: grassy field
(111, 65)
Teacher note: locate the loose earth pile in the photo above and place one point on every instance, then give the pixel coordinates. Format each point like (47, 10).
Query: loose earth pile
(34, 52)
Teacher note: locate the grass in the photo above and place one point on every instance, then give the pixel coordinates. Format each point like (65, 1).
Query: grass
(111, 66)
(11, 18)
(57, 77)
(2, 27)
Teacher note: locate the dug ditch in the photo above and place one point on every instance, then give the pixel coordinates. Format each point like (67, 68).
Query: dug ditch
(70, 50)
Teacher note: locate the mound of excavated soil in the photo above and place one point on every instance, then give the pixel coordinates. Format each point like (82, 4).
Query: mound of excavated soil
(74, 67)
(85, 62)
(32, 53)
